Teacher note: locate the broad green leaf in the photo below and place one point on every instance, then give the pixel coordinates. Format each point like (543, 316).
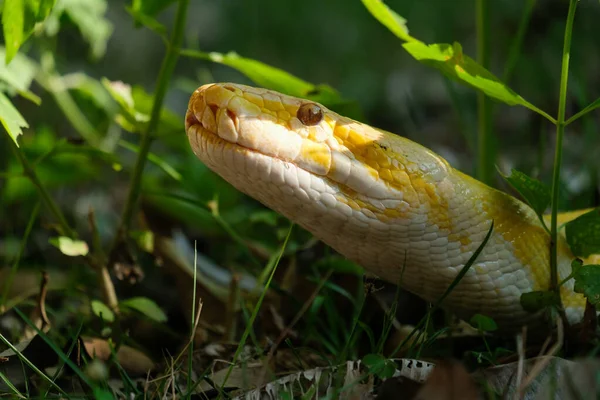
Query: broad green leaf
(451, 61)
(16, 77)
(13, 23)
(483, 323)
(388, 18)
(145, 306)
(271, 77)
(18, 20)
(70, 247)
(534, 192)
(583, 234)
(339, 265)
(148, 21)
(89, 16)
(150, 7)
(587, 281)
(11, 118)
(379, 365)
(101, 310)
(538, 300)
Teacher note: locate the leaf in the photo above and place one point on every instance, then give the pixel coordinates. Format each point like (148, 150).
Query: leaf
(101, 310)
(13, 22)
(135, 105)
(271, 77)
(18, 20)
(379, 365)
(583, 234)
(534, 192)
(89, 16)
(70, 247)
(147, 307)
(587, 281)
(144, 239)
(483, 323)
(11, 118)
(450, 60)
(17, 76)
(388, 18)
(150, 7)
(538, 300)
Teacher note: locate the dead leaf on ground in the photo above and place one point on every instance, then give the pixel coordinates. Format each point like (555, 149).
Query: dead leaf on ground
(449, 380)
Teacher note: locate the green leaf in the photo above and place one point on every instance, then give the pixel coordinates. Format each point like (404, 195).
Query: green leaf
(483, 323)
(11, 118)
(534, 192)
(135, 105)
(70, 247)
(451, 61)
(538, 300)
(89, 16)
(13, 22)
(339, 265)
(583, 234)
(148, 21)
(388, 18)
(587, 281)
(379, 365)
(150, 7)
(18, 20)
(271, 77)
(144, 239)
(147, 307)
(17, 76)
(101, 310)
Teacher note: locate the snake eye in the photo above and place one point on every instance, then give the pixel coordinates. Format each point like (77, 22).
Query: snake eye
(309, 114)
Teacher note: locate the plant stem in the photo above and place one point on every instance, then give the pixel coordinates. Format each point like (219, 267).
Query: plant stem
(44, 195)
(485, 153)
(164, 76)
(560, 131)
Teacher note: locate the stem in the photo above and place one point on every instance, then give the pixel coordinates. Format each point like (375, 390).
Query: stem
(485, 154)
(560, 131)
(45, 196)
(166, 70)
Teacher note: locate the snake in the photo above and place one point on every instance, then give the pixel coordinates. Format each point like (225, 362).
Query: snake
(385, 202)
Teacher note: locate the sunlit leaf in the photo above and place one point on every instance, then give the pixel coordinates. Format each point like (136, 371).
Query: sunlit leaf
(145, 306)
(18, 20)
(70, 247)
(11, 118)
(451, 61)
(101, 310)
(538, 300)
(388, 18)
(583, 234)
(534, 192)
(16, 77)
(587, 281)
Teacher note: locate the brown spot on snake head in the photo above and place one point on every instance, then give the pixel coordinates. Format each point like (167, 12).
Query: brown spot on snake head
(309, 114)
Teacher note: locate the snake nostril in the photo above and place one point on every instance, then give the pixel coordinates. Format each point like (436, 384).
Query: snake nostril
(233, 118)
(230, 88)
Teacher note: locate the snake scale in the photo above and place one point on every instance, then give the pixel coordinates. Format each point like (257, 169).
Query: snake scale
(381, 200)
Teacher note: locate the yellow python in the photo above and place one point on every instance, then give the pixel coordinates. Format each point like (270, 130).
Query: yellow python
(379, 199)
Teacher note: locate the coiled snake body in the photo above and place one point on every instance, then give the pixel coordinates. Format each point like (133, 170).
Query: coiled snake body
(379, 199)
